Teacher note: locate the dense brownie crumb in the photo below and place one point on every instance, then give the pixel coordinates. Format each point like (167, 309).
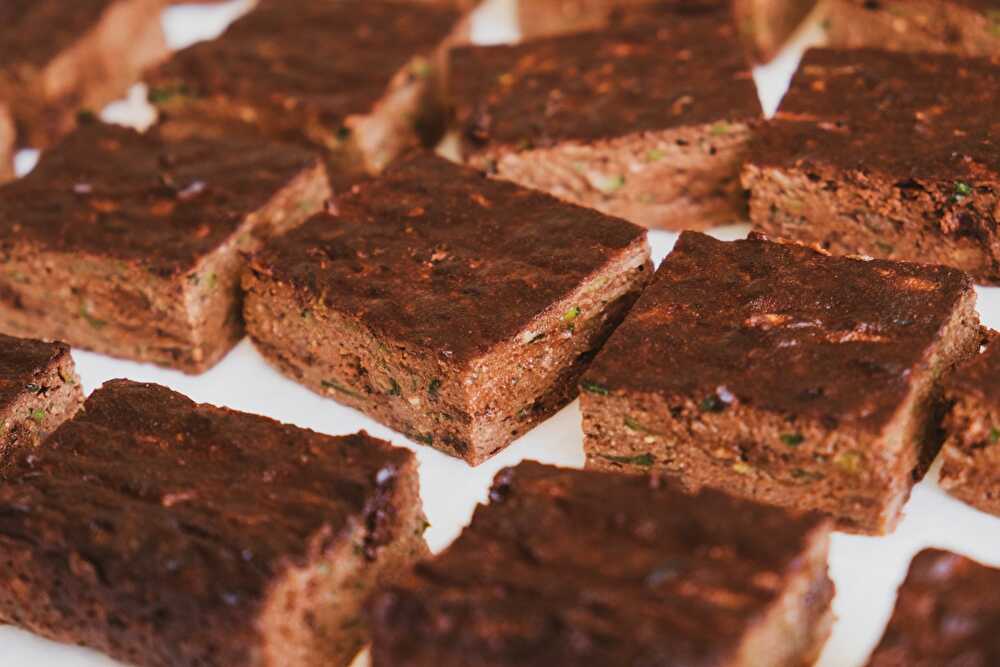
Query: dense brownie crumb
(777, 372)
(457, 309)
(568, 567)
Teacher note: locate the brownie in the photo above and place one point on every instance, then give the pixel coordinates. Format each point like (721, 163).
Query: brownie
(457, 309)
(885, 154)
(128, 245)
(39, 389)
(947, 614)
(779, 373)
(647, 124)
(570, 567)
(354, 79)
(165, 533)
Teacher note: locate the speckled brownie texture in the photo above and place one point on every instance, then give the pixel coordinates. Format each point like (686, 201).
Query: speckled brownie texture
(947, 613)
(457, 309)
(884, 154)
(569, 567)
(776, 372)
(171, 534)
(124, 244)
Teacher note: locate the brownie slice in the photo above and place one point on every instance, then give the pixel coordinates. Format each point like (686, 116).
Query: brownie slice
(123, 244)
(456, 309)
(947, 613)
(779, 373)
(570, 567)
(355, 79)
(648, 124)
(163, 533)
(39, 389)
(885, 154)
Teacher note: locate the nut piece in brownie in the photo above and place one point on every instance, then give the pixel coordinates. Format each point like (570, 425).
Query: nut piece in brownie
(947, 613)
(122, 244)
(572, 567)
(356, 79)
(457, 309)
(651, 125)
(885, 154)
(39, 389)
(779, 373)
(163, 533)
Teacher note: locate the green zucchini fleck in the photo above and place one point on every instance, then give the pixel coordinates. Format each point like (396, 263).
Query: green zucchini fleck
(644, 460)
(594, 388)
(792, 439)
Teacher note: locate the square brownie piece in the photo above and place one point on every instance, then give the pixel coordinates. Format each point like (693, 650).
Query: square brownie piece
(120, 243)
(39, 390)
(648, 124)
(947, 613)
(163, 532)
(890, 155)
(456, 309)
(779, 373)
(572, 567)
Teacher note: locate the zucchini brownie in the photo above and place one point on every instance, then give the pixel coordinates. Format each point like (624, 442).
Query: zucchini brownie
(884, 154)
(456, 309)
(947, 613)
(572, 567)
(779, 373)
(357, 80)
(39, 389)
(120, 243)
(166, 533)
(649, 125)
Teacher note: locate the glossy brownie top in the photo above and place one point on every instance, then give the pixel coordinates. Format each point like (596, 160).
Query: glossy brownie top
(947, 613)
(441, 257)
(587, 567)
(690, 70)
(980, 376)
(110, 192)
(22, 361)
(35, 31)
(782, 328)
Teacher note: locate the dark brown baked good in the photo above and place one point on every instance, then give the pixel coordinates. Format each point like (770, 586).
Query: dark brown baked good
(650, 125)
(571, 567)
(457, 309)
(779, 373)
(171, 534)
(120, 243)
(39, 389)
(947, 615)
(885, 154)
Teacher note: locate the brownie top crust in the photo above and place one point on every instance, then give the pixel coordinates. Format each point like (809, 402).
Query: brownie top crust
(980, 376)
(783, 328)
(437, 255)
(587, 567)
(21, 361)
(687, 70)
(110, 192)
(35, 31)
(905, 116)
(947, 613)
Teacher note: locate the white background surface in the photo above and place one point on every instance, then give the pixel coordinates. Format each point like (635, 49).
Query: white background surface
(866, 570)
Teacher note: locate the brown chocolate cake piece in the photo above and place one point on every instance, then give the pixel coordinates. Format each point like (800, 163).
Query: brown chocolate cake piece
(885, 154)
(649, 125)
(457, 309)
(947, 613)
(120, 243)
(163, 532)
(572, 567)
(779, 373)
(39, 389)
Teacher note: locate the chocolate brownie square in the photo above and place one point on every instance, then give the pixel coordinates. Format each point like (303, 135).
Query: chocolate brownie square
(884, 154)
(648, 124)
(39, 389)
(571, 567)
(163, 532)
(779, 373)
(947, 613)
(454, 308)
(123, 244)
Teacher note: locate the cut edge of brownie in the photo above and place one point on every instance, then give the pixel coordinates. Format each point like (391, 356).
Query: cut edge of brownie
(8, 143)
